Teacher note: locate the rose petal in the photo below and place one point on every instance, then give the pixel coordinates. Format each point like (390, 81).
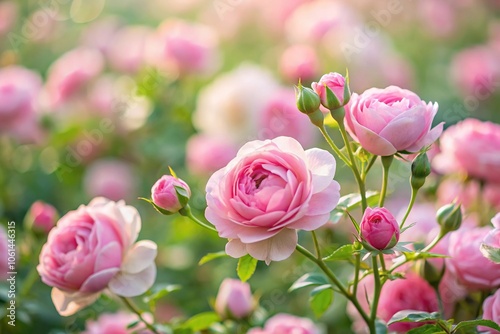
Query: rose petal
(98, 281)
(277, 248)
(69, 303)
(428, 139)
(405, 129)
(310, 223)
(140, 256)
(322, 165)
(325, 201)
(235, 248)
(372, 142)
(130, 285)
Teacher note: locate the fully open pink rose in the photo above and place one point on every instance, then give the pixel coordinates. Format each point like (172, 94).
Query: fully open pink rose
(271, 189)
(234, 299)
(379, 228)
(286, 323)
(385, 121)
(94, 248)
(468, 264)
(491, 311)
(471, 147)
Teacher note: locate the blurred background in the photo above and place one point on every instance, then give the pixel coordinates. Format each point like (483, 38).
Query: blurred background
(99, 97)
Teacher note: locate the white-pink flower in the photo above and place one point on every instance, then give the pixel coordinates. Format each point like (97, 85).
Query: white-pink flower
(94, 248)
(268, 191)
(385, 121)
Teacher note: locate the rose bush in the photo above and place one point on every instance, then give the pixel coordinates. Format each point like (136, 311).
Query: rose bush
(268, 191)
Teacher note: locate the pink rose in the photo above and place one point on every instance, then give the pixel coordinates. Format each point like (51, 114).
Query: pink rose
(476, 71)
(491, 311)
(68, 74)
(205, 154)
(280, 117)
(184, 47)
(165, 195)
(335, 82)
(271, 189)
(299, 62)
(94, 248)
(42, 217)
(379, 228)
(115, 323)
(286, 323)
(132, 39)
(492, 239)
(385, 121)
(110, 178)
(234, 299)
(470, 147)
(4, 251)
(411, 293)
(466, 261)
(19, 88)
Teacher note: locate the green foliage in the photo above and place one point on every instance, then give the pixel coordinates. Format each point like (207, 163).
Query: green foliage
(246, 267)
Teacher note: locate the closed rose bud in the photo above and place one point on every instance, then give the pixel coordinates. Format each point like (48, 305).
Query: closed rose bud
(307, 100)
(41, 217)
(234, 299)
(379, 228)
(420, 169)
(170, 193)
(331, 90)
(449, 217)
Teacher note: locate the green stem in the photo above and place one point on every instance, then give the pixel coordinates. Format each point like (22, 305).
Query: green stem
(334, 147)
(370, 164)
(378, 288)
(356, 274)
(335, 281)
(410, 206)
(316, 245)
(139, 313)
(28, 282)
(386, 163)
(186, 211)
(354, 167)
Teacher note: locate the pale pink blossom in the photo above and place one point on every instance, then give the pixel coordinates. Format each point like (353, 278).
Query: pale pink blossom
(285, 323)
(466, 261)
(94, 248)
(470, 147)
(115, 323)
(126, 52)
(110, 178)
(280, 117)
(299, 62)
(390, 120)
(491, 311)
(234, 299)
(42, 217)
(271, 189)
(206, 154)
(71, 72)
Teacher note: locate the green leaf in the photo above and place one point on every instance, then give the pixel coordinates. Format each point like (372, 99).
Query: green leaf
(182, 195)
(490, 252)
(246, 267)
(344, 252)
(160, 291)
(321, 300)
(380, 327)
(133, 324)
(201, 321)
(426, 329)
(157, 208)
(413, 316)
(211, 256)
(474, 323)
(308, 280)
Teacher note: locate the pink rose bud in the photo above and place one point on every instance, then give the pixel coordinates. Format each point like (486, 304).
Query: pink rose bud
(93, 249)
(379, 228)
(170, 193)
(390, 120)
(41, 217)
(307, 100)
(234, 299)
(491, 311)
(332, 91)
